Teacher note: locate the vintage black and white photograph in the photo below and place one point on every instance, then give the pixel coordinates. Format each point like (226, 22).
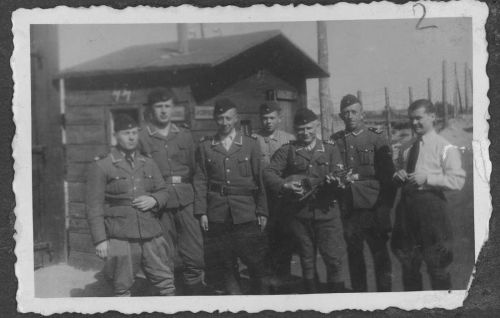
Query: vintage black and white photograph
(206, 157)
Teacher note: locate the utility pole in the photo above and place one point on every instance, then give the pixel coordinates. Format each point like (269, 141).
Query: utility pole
(459, 95)
(466, 89)
(359, 94)
(182, 38)
(410, 95)
(429, 89)
(388, 115)
(325, 103)
(445, 107)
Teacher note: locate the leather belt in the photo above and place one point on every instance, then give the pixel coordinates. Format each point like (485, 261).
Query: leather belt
(177, 179)
(227, 190)
(119, 202)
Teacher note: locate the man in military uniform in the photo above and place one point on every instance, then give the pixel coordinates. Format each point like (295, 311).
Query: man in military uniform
(427, 166)
(172, 148)
(230, 199)
(124, 190)
(270, 139)
(368, 197)
(315, 221)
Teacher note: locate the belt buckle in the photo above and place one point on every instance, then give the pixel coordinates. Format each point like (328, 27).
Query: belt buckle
(176, 179)
(223, 190)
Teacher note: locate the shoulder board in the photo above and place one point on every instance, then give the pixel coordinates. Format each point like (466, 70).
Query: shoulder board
(375, 130)
(253, 136)
(100, 157)
(329, 142)
(206, 138)
(183, 125)
(290, 142)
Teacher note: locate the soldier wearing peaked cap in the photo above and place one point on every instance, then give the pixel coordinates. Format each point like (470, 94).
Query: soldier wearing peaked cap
(230, 200)
(172, 148)
(270, 139)
(315, 221)
(368, 198)
(124, 191)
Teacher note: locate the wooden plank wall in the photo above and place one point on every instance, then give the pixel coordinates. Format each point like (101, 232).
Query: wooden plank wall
(88, 133)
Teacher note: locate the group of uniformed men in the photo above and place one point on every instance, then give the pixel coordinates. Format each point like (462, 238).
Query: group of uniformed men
(157, 202)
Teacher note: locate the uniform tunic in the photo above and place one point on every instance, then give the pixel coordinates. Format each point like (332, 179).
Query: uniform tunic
(134, 236)
(269, 144)
(422, 230)
(314, 222)
(174, 155)
(367, 203)
(229, 190)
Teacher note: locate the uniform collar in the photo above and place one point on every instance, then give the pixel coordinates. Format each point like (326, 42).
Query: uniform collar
(118, 156)
(316, 145)
(356, 132)
(153, 130)
(274, 136)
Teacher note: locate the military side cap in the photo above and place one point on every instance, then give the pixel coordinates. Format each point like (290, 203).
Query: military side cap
(304, 116)
(124, 122)
(223, 105)
(159, 95)
(348, 100)
(269, 107)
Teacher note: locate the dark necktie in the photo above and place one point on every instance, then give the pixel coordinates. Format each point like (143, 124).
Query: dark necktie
(413, 156)
(130, 160)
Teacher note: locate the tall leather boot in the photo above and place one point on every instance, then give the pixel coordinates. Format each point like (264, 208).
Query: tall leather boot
(310, 286)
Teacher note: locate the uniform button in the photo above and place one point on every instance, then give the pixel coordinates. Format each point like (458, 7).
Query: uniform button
(228, 182)
(227, 159)
(352, 158)
(135, 188)
(351, 147)
(310, 166)
(227, 170)
(132, 177)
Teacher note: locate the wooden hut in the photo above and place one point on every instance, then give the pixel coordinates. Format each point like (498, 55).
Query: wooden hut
(248, 68)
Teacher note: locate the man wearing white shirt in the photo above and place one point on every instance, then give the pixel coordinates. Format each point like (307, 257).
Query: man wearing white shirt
(428, 166)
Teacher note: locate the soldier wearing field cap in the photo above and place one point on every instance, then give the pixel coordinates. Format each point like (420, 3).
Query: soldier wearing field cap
(230, 199)
(314, 221)
(172, 148)
(368, 196)
(270, 139)
(124, 191)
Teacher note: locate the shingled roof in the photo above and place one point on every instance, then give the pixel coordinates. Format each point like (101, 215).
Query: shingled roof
(208, 52)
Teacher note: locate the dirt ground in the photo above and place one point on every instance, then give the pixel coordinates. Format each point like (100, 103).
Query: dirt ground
(62, 280)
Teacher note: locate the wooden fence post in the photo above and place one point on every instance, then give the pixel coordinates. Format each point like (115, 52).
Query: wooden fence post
(444, 97)
(388, 115)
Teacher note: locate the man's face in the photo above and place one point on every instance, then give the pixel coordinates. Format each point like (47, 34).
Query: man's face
(307, 133)
(270, 122)
(128, 139)
(227, 121)
(421, 121)
(162, 112)
(352, 116)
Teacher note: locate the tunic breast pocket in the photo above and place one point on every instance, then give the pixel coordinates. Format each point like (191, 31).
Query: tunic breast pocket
(299, 166)
(244, 166)
(366, 156)
(148, 181)
(323, 165)
(117, 184)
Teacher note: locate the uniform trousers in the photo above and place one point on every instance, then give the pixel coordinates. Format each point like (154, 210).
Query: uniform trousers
(182, 229)
(422, 231)
(224, 241)
(356, 231)
(127, 257)
(323, 235)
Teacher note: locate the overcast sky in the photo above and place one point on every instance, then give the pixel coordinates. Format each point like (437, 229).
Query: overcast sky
(363, 55)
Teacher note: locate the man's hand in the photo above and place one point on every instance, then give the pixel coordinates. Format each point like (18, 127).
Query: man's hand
(331, 179)
(400, 176)
(417, 178)
(204, 222)
(262, 221)
(144, 203)
(101, 249)
(295, 187)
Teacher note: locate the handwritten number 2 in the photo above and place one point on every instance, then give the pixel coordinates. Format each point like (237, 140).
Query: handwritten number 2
(418, 27)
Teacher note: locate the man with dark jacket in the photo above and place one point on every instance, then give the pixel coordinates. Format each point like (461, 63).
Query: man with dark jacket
(124, 190)
(315, 221)
(172, 148)
(230, 199)
(368, 196)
